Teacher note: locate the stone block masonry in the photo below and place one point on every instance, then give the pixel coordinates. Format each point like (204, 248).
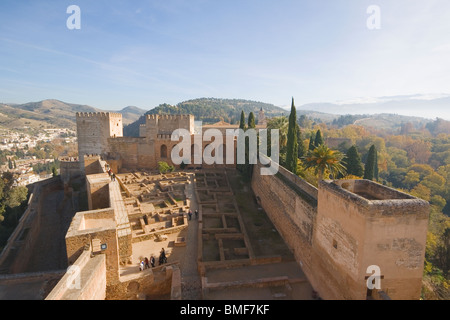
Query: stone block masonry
(94, 129)
(340, 229)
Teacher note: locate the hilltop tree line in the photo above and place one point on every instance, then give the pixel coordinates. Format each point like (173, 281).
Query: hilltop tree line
(208, 110)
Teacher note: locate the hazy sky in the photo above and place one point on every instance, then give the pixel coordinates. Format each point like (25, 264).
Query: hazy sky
(144, 53)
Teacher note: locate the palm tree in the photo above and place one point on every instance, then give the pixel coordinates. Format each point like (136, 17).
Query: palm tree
(281, 123)
(325, 160)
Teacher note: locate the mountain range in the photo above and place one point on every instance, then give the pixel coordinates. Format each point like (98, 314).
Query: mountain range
(419, 105)
(385, 112)
(53, 113)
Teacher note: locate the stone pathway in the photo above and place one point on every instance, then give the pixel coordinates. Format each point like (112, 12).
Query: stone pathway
(54, 222)
(191, 286)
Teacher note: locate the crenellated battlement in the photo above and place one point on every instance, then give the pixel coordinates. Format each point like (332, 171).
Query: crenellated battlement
(98, 115)
(169, 116)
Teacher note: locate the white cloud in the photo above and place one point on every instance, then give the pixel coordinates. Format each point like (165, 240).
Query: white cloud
(442, 48)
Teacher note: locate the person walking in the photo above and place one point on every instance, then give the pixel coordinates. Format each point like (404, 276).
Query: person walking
(147, 265)
(190, 214)
(162, 257)
(152, 261)
(196, 214)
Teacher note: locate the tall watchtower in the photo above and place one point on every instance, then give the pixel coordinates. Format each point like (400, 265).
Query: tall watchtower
(94, 129)
(164, 125)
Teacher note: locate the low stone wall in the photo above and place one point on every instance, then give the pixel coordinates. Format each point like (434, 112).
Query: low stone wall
(291, 209)
(92, 164)
(15, 256)
(153, 283)
(39, 285)
(252, 283)
(85, 280)
(154, 234)
(69, 170)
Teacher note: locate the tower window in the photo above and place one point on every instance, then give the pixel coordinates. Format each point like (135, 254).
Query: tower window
(335, 244)
(163, 151)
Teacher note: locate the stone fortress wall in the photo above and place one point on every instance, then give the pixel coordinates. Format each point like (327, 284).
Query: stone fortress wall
(340, 229)
(101, 133)
(15, 256)
(99, 242)
(335, 231)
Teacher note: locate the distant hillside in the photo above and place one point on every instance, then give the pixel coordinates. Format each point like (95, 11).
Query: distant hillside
(210, 110)
(39, 115)
(384, 121)
(414, 105)
(322, 116)
(52, 113)
(131, 114)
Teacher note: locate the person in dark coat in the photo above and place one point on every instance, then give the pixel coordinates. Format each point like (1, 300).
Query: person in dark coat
(152, 261)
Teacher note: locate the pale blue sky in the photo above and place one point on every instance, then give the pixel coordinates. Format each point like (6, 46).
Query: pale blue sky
(147, 52)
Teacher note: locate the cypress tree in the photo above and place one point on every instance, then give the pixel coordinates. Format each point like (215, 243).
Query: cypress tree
(292, 145)
(318, 140)
(241, 166)
(251, 121)
(369, 168)
(375, 169)
(54, 171)
(242, 122)
(353, 161)
(311, 142)
(248, 168)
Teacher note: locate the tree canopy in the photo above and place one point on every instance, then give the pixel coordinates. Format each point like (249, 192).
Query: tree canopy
(292, 144)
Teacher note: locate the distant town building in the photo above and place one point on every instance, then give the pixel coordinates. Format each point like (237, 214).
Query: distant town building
(262, 118)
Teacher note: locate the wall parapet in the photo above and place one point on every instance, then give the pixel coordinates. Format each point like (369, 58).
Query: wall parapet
(98, 114)
(169, 116)
(86, 282)
(376, 199)
(28, 224)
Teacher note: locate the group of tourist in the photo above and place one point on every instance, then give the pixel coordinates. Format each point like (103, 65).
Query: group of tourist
(146, 263)
(190, 214)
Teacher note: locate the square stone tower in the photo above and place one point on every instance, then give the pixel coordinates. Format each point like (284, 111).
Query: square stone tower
(162, 126)
(94, 129)
(361, 224)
